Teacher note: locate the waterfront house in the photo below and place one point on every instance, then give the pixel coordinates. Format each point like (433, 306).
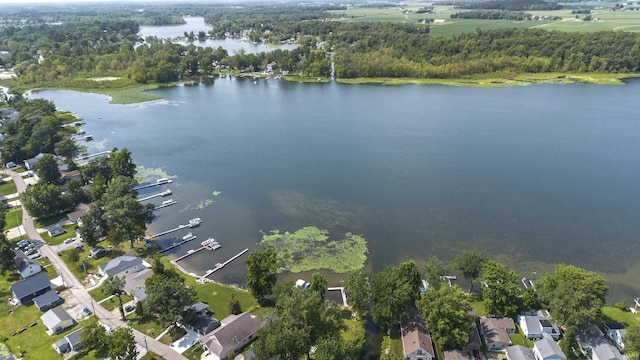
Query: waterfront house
(25, 291)
(596, 347)
(235, 332)
(48, 300)
(616, 332)
(121, 266)
(202, 324)
(534, 326)
(134, 283)
(547, 349)
(496, 332)
(25, 266)
(519, 352)
(416, 340)
(57, 320)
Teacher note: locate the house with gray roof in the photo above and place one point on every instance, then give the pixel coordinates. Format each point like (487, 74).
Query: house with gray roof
(48, 300)
(496, 332)
(134, 283)
(61, 346)
(25, 266)
(74, 339)
(596, 346)
(235, 332)
(202, 324)
(616, 332)
(26, 290)
(121, 266)
(547, 349)
(519, 352)
(416, 340)
(534, 326)
(57, 320)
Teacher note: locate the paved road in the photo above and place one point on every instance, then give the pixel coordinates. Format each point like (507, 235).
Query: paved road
(80, 293)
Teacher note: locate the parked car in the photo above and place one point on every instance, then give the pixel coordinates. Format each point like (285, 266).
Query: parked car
(69, 240)
(129, 308)
(86, 312)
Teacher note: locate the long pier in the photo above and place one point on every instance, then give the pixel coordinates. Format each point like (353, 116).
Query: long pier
(178, 243)
(192, 223)
(157, 183)
(91, 156)
(220, 266)
(164, 193)
(165, 204)
(189, 253)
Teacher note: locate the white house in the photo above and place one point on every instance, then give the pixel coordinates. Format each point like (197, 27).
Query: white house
(547, 349)
(593, 343)
(26, 267)
(616, 332)
(121, 266)
(416, 340)
(57, 320)
(534, 326)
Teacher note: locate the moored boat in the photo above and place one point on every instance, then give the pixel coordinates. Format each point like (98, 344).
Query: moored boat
(188, 237)
(195, 222)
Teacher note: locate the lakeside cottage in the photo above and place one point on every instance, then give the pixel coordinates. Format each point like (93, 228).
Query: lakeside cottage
(547, 349)
(121, 266)
(416, 340)
(496, 332)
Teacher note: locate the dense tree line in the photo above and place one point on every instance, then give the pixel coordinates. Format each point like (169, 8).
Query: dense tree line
(517, 5)
(493, 15)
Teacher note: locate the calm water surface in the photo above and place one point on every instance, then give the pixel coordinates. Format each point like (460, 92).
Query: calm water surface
(196, 24)
(532, 175)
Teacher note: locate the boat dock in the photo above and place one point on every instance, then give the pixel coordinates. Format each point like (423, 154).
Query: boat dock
(192, 223)
(157, 183)
(184, 240)
(164, 193)
(220, 266)
(341, 289)
(91, 156)
(210, 245)
(165, 204)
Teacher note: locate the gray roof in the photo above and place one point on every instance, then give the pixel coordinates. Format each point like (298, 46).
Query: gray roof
(140, 294)
(533, 324)
(31, 285)
(455, 355)
(494, 329)
(234, 329)
(54, 317)
(46, 299)
(134, 281)
(614, 326)
(593, 340)
(199, 307)
(519, 352)
(74, 337)
(22, 261)
(62, 345)
(204, 324)
(120, 264)
(547, 347)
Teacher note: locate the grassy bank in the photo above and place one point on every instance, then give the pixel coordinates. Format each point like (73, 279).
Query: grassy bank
(502, 80)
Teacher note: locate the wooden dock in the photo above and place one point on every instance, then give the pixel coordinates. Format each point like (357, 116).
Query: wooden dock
(91, 156)
(204, 247)
(178, 244)
(157, 183)
(165, 204)
(164, 193)
(176, 228)
(220, 266)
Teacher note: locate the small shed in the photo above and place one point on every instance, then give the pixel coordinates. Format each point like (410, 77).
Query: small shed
(61, 346)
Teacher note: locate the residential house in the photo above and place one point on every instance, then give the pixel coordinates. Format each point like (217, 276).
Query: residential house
(547, 349)
(48, 300)
(74, 339)
(25, 266)
(519, 352)
(25, 291)
(496, 332)
(596, 347)
(61, 346)
(200, 308)
(97, 252)
(134, 283)
(616, 332)
(57, 320)
(202, 324)
(55, 231)
(66, 176)
(416, 340)
(81, 210)
(455, 355)
(235, 332)
(121, 266)
(534, 326)
(30, 164)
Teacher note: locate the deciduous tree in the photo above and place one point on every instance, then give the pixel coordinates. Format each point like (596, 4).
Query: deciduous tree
(574, 296)
(95, 337)
(632, 342)
(501, 292)
(393, 296)
(167, 296)
(114, 285)
(435, 269)
(122, 344)
(358, 289)
(262, 277)
(446, 312)
(470, 262)
(47, 169)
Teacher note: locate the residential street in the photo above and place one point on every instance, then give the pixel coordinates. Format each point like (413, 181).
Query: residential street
(79, 292)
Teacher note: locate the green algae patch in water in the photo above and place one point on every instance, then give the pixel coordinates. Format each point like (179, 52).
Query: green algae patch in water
(311, 248)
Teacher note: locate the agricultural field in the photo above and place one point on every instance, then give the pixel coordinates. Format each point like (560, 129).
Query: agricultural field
(606, 18)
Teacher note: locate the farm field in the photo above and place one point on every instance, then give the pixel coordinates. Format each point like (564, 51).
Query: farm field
(607, 19)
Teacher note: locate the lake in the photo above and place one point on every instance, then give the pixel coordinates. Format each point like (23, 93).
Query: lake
(532, 176)
(196, 24)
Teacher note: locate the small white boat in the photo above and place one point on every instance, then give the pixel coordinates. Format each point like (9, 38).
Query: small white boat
(188, 237)
(162, 180)
(88, 137)
(168, 202)
(166, 193)
(195, 222)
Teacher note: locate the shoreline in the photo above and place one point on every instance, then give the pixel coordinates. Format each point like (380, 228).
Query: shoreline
(138, 94)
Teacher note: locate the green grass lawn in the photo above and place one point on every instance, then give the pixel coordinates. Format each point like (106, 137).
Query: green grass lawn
(146, 324)
(194, 352)
(13, 219)
(41, 223)
(129, 95)
(8, 188)
(612, 314)
(56, 240)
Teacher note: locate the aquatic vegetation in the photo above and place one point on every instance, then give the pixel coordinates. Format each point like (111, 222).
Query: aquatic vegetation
(198, 206)
(216, 193)
(150, 174)
(310, 248)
